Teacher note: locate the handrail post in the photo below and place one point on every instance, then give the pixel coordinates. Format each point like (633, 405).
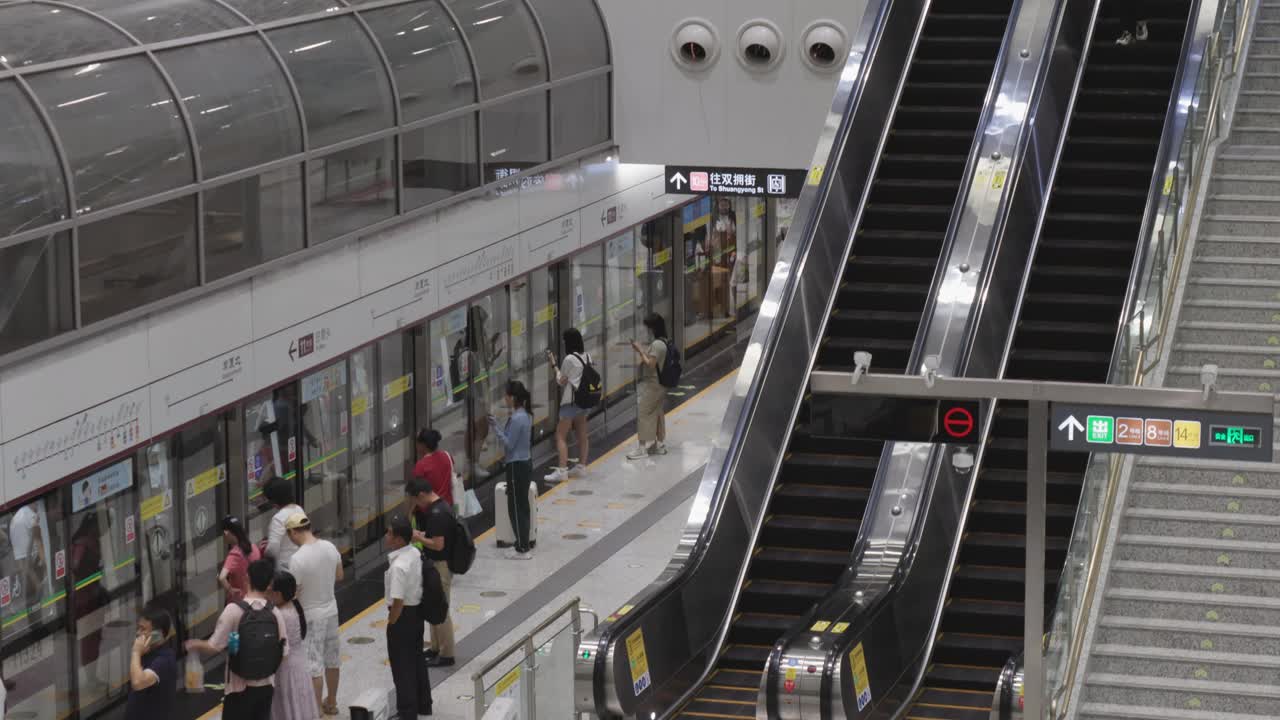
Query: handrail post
(478, 698)
(1033, 617)
(531, 671)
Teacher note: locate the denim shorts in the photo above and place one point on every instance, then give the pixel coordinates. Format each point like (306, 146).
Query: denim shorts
(571, 411)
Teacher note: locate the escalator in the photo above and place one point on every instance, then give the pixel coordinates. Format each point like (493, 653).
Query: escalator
(816, 507)
(1066, 331)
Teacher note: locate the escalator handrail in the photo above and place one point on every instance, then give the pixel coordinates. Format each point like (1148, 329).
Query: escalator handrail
(1204, 19)
(861, 616)
(765, 337)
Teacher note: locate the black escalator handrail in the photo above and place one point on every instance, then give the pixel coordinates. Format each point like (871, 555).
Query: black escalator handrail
(875, 600)
(800, 247)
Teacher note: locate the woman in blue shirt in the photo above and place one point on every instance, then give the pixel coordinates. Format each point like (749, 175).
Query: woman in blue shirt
(516, 435)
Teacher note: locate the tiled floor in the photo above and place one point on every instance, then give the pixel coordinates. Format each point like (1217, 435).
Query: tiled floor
(573, 518)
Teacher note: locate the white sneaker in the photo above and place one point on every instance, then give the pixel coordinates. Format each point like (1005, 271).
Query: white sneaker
(557, 475)
(578, 471)
(1142, 34)
(658, 449)
(1125, 39)
(639, 453)
(512, 554)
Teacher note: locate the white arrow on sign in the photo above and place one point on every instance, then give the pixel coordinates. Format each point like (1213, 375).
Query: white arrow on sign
(1072, 426)
(678, 180)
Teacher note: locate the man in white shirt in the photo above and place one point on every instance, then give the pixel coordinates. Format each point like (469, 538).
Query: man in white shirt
(279, 492)
(403, 586)
(317, 565)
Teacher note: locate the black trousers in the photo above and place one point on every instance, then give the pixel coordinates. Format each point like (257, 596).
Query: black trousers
(252, 704)
(519, 476)
(408, 666)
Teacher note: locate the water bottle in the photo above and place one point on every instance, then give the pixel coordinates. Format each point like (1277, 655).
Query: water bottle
(233, 642)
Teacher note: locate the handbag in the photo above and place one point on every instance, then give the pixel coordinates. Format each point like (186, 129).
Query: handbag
(470, 505)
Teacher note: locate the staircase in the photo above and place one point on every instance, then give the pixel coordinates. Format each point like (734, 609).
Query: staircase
(1189, 622)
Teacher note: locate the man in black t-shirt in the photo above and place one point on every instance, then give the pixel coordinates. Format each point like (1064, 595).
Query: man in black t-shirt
(153, 670)
(433, 523)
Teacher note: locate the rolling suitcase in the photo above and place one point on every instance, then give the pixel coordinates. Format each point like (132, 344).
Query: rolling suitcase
(502, 520)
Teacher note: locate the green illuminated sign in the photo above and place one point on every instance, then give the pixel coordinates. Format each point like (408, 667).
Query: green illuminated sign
(1234, 436)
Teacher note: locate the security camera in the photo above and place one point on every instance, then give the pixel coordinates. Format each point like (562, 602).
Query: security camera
(930, 370)
(962, 461)
(694, 44)
(861, 364)
(825, 43)
(760, 45)
(1209, 379)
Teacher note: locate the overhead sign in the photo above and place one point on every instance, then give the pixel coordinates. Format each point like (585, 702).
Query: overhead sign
(757, 182)
(957, 421)
(1161, 431)
(896, 419)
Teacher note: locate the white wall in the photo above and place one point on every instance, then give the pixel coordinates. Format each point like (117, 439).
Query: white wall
(65, 411)
(727, 115)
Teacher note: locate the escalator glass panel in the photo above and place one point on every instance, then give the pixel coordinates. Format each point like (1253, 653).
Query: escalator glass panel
(815, 511)
(1070, 313)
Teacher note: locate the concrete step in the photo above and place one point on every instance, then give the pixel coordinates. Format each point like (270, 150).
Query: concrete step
(1231, 162)
(1248, 291)
(1216, 223)
(1241, 246)
(1199, 525)
(1180, 663)
(1117, 711)
(1185, 376)
(1180, 693)
(1260, 80)
(1254, 135)
(1226, 356)
(1204, 498)
(1265, 62)
(1233, 268)
(1190, 606)
(1252, 205)
(1223, 334)
(1214, 473)
(1188, 635)
(1214, 579)
(1208, 310)
(1255, 99)
(1199, 551)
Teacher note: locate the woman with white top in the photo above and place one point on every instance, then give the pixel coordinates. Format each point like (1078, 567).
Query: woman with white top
(279, 492)
(568, 376)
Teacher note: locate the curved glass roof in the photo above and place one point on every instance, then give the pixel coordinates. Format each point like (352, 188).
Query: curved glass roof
(109, 102)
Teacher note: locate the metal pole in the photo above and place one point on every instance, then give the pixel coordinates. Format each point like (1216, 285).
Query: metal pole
(1033, 617)
(531, 669)
(478, 679)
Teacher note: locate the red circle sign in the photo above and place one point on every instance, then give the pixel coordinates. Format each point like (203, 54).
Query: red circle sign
(958, 422)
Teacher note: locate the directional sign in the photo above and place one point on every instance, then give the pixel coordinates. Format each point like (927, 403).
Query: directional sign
(757, 182)
(1075, 427)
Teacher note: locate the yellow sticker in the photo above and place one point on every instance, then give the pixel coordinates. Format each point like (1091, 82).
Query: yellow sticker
(397, 387)
(820, 626)
(640, 680)
(544, 316)
(152, 507)
(1168, 183)
(997, 180)
(469, 609)
(791, 673)
(625, 609)
(590, 525)
(616, 506)
(359, 405)
(815, 174)
(1186, 434)
(861, 680)
(662, 257)
(206, 481)
(840, 628)
(517, 327)
(507, 681)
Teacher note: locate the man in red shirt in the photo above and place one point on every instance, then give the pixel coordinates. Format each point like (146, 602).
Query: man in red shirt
(434, 465)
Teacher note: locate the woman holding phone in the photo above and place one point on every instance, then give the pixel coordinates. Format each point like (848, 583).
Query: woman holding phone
(516, 435)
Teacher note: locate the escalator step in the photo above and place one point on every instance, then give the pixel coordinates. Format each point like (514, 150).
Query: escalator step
(800, 564)
(731, 677)
(952, 704)
(811, 531)
(727, 692)
(968, 677)
(744, 656)
(976, 649)
(780, 596)
(817, 495)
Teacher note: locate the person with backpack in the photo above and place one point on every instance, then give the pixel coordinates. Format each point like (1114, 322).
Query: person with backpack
(403, 587)
(659, 370)
(580, 391)
(434, 525)
(317, 565)
(252, 632)
(294, 697)
(516, 436)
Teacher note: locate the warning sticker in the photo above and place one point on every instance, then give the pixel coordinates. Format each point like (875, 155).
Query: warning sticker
(861, 681)
(840, 628)
(820, 626)
(507, 681)
(640, 679)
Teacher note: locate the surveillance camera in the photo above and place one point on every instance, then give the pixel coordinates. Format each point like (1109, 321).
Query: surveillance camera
(825, 44)
(930, 370)
(1209, 379)
(861, 364)
(962, 461)
(760, 45)
(694, 44)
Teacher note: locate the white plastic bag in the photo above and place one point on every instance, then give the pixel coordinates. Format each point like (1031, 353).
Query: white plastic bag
(470, 505)
(193, 674)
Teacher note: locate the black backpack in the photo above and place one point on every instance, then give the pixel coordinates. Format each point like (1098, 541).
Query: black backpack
(460, 547)
(261, 647)
(589, 391)
(435, 604)
(669, 373)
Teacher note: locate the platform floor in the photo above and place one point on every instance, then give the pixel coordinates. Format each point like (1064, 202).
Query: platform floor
(601, 538)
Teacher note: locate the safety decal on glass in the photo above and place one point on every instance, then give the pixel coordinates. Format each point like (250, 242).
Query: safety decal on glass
(861, 681)
(640, 680)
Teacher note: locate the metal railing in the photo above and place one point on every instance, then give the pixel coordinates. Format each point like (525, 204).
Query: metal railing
(542, 656)
(1145, 334)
